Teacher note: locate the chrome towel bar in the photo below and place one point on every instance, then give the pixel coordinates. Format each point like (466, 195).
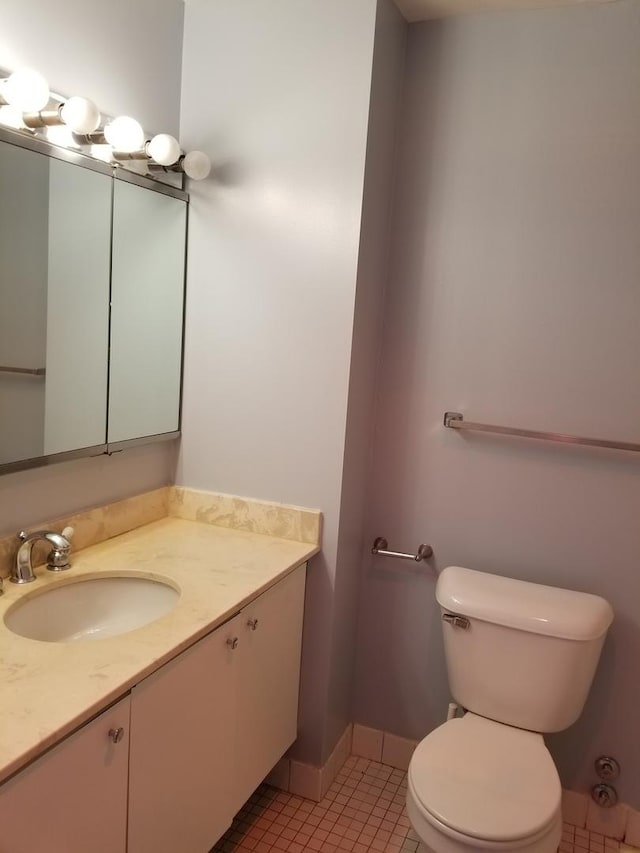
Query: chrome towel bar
(28, 371)
(380, 548)
(454, 420)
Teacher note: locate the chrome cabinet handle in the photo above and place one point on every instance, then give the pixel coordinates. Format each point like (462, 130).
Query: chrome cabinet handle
(232, 642)
(252, 623)
(116, 735)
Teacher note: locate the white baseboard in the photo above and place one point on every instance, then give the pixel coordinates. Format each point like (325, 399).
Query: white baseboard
(307, 780)
(390, 749)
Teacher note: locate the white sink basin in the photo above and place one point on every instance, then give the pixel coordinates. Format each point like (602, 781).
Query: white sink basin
(91, 608)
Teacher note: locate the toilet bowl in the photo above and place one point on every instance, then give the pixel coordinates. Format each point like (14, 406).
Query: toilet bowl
(474, 784)
(520, 659)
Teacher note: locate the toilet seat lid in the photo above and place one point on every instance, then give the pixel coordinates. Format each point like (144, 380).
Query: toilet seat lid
(486, 779)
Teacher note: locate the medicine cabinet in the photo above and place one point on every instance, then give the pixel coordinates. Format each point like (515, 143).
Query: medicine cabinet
(92, 266)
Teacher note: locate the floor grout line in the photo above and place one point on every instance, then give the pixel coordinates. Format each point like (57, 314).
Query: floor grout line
(362, 812)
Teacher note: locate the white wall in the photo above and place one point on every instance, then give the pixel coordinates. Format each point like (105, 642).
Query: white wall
(514, 299)
(127, 57)
(278, 94)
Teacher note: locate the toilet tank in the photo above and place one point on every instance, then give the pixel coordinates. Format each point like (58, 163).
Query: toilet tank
(529, 652)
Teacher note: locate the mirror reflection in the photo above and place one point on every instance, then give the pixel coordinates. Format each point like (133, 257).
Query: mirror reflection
(147, 289)
(54, 305)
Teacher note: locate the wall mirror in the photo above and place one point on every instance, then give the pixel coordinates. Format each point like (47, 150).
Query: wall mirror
(92, 263)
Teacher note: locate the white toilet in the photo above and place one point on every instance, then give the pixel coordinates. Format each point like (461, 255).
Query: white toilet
(521, 658)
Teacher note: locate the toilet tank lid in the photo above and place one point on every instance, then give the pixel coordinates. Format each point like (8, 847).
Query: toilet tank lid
(522, 605)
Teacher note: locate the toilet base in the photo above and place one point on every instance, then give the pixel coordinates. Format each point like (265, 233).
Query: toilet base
(435, 838)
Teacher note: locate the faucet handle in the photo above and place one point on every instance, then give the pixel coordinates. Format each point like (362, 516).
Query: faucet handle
(58, 559)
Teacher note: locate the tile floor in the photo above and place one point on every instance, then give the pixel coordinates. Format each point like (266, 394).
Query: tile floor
(363, 812)
(576, 840)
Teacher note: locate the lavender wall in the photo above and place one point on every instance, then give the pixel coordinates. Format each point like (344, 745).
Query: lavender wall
(135, 67)
(514, 299)
(373, 263)
(278, 94)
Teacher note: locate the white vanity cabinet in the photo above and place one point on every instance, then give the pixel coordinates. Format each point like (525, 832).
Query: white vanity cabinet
(270, 642)
(166, 768)
(182, 749)
(208, 726)
(74, 798)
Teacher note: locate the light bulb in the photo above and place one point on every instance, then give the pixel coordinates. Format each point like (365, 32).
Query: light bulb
(196, 165)
(26, 90)
(124, 134)
(164, 149)
(80, 114)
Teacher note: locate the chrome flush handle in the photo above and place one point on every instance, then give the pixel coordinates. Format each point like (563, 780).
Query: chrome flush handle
(456, 621)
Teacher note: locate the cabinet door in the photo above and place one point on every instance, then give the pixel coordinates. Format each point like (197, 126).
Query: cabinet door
(55, 246)
(270, 645)
(74, 798)
(147, 295)
(79, 240)
(183, 749)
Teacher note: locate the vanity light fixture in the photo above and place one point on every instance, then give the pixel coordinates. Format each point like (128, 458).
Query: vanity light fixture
(75, 123)
(195, 165)
(42, 118)
(124, 134)
(80, 114)
(26, 90)
(164, 155)
(164, 149)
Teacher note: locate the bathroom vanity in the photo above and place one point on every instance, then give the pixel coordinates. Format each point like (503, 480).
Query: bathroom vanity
(152, 740)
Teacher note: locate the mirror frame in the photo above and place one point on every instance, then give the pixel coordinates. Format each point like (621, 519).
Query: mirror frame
(118, 173)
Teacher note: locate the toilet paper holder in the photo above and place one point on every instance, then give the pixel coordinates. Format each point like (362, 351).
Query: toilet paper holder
(380, 548)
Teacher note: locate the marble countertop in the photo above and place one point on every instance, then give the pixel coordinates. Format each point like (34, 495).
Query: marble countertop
(49, 689)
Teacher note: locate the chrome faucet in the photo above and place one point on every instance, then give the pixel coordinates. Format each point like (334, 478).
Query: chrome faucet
(57, 559)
